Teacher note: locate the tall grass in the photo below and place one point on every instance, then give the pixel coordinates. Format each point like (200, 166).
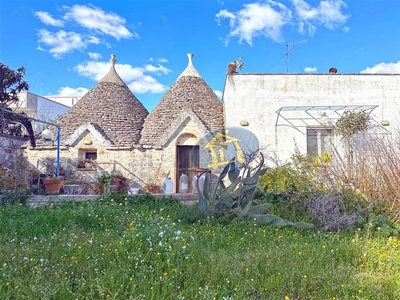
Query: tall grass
(142, 248)
(371, 176)
(375, 172)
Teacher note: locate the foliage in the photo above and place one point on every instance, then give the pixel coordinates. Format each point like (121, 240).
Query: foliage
(13, 186)
(352, 123)
(11, 83)
(217, 198)
(87, 162)
(378, 225)
(297, 175)
(238, 63)
(258, 213)
(143, 248)
(104, 179)
(326, 209)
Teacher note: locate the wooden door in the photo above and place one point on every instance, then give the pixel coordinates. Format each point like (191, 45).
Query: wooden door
(187, 162)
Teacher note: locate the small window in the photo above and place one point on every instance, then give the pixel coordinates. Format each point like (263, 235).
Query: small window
(91, 155)
(87, 158)
(319, 141)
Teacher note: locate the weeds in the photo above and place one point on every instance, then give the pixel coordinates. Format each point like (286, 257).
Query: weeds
(139, 247)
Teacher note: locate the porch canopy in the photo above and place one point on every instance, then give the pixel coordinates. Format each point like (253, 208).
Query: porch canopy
(317, 115)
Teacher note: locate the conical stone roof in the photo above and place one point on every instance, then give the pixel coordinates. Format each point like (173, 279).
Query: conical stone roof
(111, 107)
(188, 93)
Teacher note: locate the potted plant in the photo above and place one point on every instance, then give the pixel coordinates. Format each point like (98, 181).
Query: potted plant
(104, 180)
(238, 63)
(52, 184)
(87, 164)
(115, 178)
(153, 187)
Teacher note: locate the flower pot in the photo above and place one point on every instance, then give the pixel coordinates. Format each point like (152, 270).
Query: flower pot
(154, 189)
(52, 186)
(115, 182)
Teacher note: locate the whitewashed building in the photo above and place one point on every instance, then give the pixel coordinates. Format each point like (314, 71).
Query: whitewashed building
(285, 110)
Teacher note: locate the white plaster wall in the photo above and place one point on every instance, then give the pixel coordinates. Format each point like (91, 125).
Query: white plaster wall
(39, 107)
(256, 98)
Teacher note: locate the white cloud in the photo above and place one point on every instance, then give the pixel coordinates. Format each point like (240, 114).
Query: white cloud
(47, 19)
(383, 68)
(257, 19)
(159, 60)
(146, 84)
(268, 19)
(63, 42)
(94, 18)
(157, 70)
(94, 56)
(328, 14)
(68, 91)
(310, 69)
(138, 79)
(218, 93)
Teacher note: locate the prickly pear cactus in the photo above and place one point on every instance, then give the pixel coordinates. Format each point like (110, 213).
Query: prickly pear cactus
(234, 187)
(234, 191)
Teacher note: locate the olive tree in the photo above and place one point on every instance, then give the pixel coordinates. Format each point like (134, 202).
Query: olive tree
(11, 83)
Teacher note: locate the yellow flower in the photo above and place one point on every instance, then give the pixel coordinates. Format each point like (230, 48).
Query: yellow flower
(165, 273)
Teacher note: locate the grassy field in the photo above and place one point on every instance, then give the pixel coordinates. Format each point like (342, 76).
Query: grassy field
(144, 248)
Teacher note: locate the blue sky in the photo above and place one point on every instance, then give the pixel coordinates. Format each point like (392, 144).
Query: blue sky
(65, 46)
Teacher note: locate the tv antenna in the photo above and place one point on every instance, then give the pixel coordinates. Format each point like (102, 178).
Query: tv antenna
(290, 47)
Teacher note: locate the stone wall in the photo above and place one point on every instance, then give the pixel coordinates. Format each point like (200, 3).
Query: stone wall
(139, 166)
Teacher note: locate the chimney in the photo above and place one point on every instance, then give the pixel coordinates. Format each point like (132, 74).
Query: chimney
(332, 71)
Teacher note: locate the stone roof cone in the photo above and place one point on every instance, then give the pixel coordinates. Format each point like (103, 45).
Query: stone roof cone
(111, 108)
(189, 93)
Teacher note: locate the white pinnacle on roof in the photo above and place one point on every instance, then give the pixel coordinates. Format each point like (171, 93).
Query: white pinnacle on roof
(190, 69)
(112, 75)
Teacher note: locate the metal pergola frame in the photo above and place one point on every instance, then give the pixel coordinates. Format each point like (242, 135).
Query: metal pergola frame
(310, 115)
(26, 121)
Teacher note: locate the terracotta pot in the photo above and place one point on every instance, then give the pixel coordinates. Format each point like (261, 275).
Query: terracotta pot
(52, 186)
(154, 189)
(115, 182)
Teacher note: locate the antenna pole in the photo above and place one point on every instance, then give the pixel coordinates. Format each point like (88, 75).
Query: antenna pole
(290, 47)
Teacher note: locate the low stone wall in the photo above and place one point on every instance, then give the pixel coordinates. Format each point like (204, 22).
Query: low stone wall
(37, 200)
